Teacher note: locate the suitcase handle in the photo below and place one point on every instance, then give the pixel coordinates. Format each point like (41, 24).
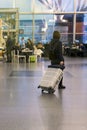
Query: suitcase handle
(62, 67)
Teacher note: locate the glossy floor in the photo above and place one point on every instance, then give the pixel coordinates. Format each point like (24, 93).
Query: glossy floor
(24, 107)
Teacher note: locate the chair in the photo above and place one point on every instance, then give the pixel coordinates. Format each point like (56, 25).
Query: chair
(17, 57)
(38, 52)
(1, 55)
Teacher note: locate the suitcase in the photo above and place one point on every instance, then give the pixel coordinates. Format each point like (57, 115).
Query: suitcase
(51, 78)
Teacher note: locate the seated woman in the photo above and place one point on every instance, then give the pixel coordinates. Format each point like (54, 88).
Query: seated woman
(82, 50)
(29, 45)
(81, 47)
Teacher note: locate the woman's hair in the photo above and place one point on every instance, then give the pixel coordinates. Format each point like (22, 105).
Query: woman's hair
(56, 35)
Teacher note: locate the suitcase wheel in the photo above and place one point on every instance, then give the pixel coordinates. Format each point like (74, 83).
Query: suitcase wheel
(42, 90)
(50, 91)
(38, 86)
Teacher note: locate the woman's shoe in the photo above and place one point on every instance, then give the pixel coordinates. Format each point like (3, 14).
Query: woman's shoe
(61, 87)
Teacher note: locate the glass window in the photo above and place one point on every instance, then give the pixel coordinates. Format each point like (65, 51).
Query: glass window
(25, 26)
(53, 5)
(6, 3)
(79, 23)
(64, 24)
(81, 27)
(24, 5)
(40, 5)
(8, 21)
(81, 5)
(46, 24)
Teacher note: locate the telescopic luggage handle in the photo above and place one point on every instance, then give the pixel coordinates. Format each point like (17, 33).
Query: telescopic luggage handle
(62, 67)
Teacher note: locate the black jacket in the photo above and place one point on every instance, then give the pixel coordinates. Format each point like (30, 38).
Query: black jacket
(57, 51)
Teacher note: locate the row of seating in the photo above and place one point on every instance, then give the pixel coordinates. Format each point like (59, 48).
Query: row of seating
(24, 55)
(17, 57)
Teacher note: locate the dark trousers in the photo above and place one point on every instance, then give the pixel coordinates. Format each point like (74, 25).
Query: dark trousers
(9, 57)
(61, 83)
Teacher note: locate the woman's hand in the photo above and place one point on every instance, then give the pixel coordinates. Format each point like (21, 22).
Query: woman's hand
(62, 63)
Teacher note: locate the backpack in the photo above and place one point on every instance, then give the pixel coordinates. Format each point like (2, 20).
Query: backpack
(52, 48)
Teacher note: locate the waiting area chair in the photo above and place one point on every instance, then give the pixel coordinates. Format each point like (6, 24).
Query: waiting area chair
(38, 52)
(2, 55)
(17, 57)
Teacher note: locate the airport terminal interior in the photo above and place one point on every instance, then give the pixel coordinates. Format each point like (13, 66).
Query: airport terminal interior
(26, 29)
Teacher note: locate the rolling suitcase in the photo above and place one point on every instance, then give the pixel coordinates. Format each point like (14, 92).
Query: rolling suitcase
(51, 78)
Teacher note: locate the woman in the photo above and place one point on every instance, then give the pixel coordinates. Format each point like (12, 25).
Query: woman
(57, 59)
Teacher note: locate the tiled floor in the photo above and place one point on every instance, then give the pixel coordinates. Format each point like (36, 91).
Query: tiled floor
(23, 107)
